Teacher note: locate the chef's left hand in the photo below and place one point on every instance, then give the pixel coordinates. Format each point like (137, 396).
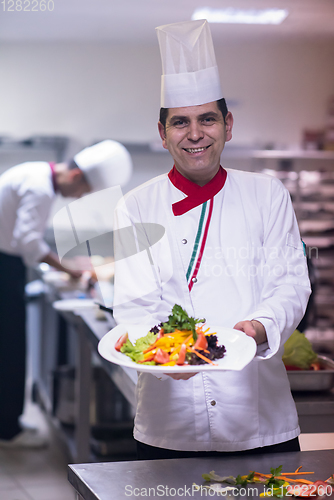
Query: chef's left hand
(75, 275)
(253, 329)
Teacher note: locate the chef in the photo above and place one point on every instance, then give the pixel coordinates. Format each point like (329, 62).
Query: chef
(27, 192)
(231, 253)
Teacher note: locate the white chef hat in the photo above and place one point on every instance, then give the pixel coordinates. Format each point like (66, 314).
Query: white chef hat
(190, 73)
(105, 164)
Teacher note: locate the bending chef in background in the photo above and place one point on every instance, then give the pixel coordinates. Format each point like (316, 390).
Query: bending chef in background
(27, 192)
(231, 253)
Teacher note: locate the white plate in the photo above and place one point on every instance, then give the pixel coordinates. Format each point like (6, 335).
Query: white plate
(74, 304)
(240, 350)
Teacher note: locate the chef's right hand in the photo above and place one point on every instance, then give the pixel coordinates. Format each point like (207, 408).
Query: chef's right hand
(74, 274)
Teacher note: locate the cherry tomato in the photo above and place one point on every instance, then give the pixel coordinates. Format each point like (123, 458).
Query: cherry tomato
(182, 355)
(161, 357)
(160, 334)
(323, 488)
(201, 342)
(317, 489)
(123, 338)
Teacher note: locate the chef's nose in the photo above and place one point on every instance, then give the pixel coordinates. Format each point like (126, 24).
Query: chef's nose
(195, 131)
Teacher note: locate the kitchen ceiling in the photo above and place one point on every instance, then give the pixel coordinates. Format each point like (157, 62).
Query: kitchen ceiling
(133, 21)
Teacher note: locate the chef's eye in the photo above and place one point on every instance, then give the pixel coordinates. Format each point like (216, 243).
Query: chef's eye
(179, 123)
(209, 119)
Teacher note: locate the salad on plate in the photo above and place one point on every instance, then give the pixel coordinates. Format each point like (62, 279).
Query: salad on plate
(182, 340)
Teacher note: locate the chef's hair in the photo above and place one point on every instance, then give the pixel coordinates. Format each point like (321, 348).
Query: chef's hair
(221, 105)
(71, 165)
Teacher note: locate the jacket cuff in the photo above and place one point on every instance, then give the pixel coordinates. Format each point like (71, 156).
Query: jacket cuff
(32, 258)
(269, 348)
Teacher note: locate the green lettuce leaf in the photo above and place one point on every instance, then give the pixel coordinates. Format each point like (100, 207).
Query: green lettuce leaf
(135, 351)
(212, 476)
(298, 351)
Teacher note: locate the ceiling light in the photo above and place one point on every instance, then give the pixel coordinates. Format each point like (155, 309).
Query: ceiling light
(237, 16)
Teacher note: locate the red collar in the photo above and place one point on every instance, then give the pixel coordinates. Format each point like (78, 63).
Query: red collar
(53, 173)
(196, 195)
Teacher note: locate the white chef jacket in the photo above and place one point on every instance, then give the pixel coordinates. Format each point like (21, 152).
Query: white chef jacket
(253, 267)
(26, 196)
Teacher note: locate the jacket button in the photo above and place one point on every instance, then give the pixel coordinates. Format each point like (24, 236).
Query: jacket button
(184, 241)
(213, 403)
(194, 280)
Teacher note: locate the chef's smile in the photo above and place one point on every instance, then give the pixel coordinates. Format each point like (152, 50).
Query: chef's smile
(195, 136)
(196, 150)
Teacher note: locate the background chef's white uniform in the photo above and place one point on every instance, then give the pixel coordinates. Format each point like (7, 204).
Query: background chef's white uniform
(26, 197)
(253, 267)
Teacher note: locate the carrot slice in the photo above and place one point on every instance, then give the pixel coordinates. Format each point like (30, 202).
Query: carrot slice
(150, 348)
(295, 473)
(203, 357)
(302, 481)
(295, 480)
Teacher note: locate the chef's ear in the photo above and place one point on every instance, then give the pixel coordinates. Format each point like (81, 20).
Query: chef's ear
(228, 126)
(76, 175)
(162, 132)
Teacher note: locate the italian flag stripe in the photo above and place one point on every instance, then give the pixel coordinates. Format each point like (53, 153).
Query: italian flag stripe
(201, 251)
(197, 240)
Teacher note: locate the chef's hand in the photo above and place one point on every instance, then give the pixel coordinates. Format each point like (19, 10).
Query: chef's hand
(253, 329)
(52, 259)
(181, 376)
(75, 275)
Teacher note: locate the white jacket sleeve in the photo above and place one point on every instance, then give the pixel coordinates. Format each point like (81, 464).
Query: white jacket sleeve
(286, 287)
(31, 221)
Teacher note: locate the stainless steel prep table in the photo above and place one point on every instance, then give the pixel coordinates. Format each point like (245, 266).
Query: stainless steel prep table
(117, 480)
(89, 331)
(124, 378)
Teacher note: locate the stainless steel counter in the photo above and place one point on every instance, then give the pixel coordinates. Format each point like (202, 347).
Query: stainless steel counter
(175, 478)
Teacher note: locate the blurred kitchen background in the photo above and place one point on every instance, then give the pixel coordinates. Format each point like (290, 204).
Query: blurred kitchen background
(80, 72)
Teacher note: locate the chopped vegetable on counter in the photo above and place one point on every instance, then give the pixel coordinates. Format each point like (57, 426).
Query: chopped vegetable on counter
(279, 484)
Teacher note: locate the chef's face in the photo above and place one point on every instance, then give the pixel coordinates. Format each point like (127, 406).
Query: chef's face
(74, 185)
(195, 136)
(82, 188)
